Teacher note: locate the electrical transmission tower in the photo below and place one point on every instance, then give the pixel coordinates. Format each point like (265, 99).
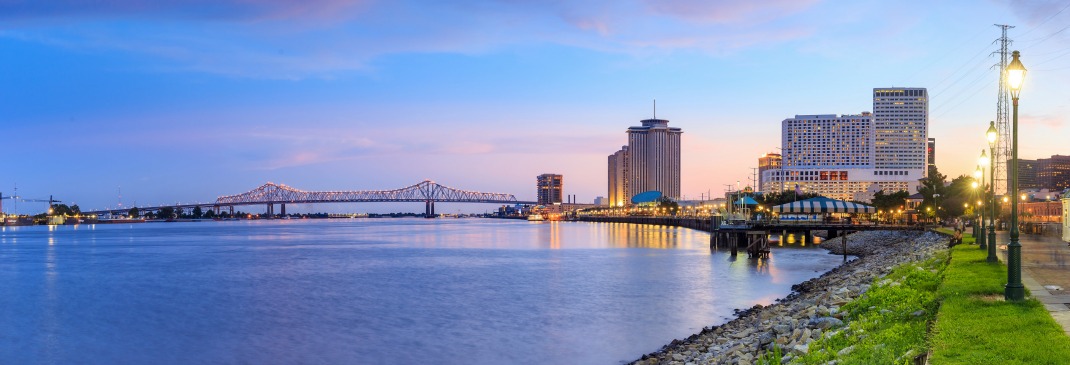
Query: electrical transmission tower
(1003, 146)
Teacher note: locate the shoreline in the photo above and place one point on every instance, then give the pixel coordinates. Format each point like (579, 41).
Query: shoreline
(810, 311)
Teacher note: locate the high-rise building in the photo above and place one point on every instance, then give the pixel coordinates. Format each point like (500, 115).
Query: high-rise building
(931, 152)
(549, 188)
(654, 158)
(618, 178)
(1054, 172)
(842, 156)
(771, 161)
(901, 129)
(1044, 173)
(1027, 174)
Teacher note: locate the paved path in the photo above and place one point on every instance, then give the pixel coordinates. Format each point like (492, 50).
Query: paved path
(1045, 272)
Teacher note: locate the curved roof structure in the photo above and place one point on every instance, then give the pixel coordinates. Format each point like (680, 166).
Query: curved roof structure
(823, 205)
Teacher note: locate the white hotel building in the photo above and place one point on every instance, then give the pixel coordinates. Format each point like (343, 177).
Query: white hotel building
(849, 157)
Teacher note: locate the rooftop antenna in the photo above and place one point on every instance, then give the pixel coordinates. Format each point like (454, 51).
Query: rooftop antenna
(655, 108)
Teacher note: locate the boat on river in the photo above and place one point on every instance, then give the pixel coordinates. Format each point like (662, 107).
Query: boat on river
(536, 218)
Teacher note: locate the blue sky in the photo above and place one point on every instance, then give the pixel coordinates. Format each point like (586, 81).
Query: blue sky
(187, 100)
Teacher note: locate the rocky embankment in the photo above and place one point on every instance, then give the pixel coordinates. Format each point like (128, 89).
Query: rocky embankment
(811, 311)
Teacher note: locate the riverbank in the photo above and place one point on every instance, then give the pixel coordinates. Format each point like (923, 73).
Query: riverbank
(813, 309)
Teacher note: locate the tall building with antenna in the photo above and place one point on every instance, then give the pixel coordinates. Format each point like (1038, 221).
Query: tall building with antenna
(654, 157)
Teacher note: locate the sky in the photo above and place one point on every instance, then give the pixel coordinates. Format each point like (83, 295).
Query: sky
(184, 101)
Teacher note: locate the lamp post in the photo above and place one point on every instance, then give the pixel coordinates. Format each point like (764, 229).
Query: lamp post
(1015, 76)
(980, 175)
(992, 135)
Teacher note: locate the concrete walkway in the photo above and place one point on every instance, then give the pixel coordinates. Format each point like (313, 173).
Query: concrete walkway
(1045, 272)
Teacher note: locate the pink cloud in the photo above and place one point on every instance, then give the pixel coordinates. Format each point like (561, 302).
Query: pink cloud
(1051, 121)
(721, 11)
(198, 9)
(298, 39)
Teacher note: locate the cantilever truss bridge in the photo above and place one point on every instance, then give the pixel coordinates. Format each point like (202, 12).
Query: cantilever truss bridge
(269, 194)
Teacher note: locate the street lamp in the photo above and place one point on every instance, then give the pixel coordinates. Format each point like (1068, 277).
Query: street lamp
(980, 175)
(1015, 74)
(992, 135)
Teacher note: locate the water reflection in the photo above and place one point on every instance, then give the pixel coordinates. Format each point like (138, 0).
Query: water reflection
(457, 291)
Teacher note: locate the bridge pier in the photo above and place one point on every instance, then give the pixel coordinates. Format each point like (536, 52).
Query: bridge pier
(429, 209)
(283, 206)
(270, 210)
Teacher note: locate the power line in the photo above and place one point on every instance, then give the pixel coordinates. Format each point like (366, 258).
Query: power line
(983, 50)
(1035, 42)
(1064, 53)
(1035, 27)
(974, 69)
(961, 91)
(944, 56)
(968, 98)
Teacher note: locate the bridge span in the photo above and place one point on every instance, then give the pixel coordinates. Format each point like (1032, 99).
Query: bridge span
(270, 194)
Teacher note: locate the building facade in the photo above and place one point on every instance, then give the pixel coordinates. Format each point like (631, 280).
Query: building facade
(1044, 173)
(654, 158)
(843, 156)
(931, 151)
(549, 188)
(1054, 172)
(771, 161)
(618, 178)
(1027, 174)
(901, 129)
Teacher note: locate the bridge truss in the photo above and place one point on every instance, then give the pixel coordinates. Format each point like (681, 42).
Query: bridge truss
(424, 191)
(269, 194)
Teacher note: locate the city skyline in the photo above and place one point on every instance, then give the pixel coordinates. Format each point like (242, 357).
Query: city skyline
(187, 102)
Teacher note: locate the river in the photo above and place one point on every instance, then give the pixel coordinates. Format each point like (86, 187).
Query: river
(371, 291)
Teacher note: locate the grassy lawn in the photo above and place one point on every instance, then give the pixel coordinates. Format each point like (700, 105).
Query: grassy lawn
(975, 326)
(888, 325)
(951, 307)
(967, 238)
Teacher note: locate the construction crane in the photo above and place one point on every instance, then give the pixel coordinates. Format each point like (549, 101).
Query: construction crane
(15, 199)
(51, 202)
(2, 197)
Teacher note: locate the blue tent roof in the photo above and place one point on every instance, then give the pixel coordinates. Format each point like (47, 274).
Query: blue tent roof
(746, 201)
(646, 197)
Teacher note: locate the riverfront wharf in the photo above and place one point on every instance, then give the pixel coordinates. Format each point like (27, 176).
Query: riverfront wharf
(752, 236)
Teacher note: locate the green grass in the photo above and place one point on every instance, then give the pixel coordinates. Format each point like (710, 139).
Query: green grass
(965, 320)
(967, 238)
(975, 326)
(881, 325)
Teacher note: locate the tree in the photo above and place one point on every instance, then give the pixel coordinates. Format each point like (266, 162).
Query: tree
(197, 212)
(209, 214)
(957, 198)
(166, 213)
(133, 213)
(933, 189)
(61, 209)
(76, 210)
(890, 202)
(782, 197)
(668, 204)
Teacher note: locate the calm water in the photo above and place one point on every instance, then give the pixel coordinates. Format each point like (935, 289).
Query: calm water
(393, 291)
